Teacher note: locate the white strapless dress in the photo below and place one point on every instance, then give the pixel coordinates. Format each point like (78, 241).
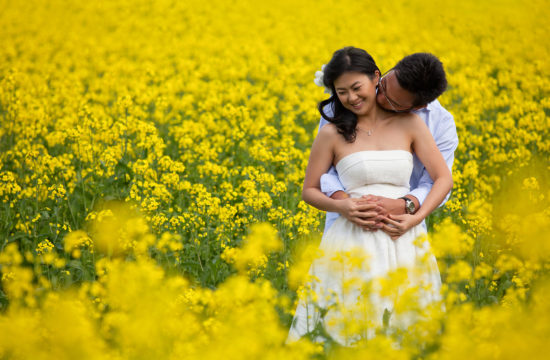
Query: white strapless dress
(344, 297)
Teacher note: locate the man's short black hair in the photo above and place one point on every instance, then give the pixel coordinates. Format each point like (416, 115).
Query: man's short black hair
(422, 74)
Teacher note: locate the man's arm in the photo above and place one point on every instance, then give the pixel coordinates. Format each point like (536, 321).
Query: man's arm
(429, 155)
(446, 139)
(330, 183)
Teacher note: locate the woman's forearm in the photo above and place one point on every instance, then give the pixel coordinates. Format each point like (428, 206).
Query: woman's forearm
(317, 199)
(440, 189)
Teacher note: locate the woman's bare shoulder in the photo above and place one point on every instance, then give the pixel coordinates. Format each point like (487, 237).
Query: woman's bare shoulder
(328, 131)
(408, 116)
(411, 120)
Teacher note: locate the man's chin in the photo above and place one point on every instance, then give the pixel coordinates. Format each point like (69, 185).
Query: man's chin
(385, 109)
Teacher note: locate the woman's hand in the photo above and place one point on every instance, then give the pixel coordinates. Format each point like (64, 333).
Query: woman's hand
(358, 210)
(397, 225)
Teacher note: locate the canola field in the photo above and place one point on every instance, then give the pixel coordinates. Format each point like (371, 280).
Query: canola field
(152, 155)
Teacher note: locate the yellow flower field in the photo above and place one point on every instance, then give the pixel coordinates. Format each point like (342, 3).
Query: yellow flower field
(152, 156)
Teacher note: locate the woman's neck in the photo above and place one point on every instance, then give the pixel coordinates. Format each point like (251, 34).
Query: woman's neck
(372, 117)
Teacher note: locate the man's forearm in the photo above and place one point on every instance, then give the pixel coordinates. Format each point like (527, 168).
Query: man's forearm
(339, 195)
(330, 183)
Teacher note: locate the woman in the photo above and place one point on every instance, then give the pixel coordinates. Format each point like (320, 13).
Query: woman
(371, 149)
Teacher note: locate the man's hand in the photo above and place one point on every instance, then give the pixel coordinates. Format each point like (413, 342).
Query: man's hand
(359, 211)
(339, 195)
(395, 221)
(370, 215)
(373, 212)
(387, 205)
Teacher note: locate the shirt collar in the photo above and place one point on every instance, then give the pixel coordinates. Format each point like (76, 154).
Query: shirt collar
(428, 107)
(431, 105)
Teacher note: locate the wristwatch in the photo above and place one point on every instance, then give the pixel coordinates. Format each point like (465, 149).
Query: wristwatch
(409, 205)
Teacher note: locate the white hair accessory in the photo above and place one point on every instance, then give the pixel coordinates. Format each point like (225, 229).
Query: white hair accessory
(319, 74)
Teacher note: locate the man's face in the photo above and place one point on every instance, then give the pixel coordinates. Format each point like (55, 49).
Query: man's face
(391, 96)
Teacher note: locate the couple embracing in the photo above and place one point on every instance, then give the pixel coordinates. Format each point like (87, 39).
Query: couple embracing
(381, 163)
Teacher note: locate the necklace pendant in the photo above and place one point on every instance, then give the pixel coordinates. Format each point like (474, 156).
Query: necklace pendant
(369, 132)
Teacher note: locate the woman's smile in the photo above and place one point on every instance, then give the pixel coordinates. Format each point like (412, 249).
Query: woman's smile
(357, 105)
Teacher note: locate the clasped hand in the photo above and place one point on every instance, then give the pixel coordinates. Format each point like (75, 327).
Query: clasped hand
(374, 213)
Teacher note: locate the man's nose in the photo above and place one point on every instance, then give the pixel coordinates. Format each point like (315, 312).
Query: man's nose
(381, 100)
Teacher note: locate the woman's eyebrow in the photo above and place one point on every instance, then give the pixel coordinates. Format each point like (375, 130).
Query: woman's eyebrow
(352, 85)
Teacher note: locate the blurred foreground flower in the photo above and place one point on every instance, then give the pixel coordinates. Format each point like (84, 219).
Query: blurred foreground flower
(522, 214)
(118, 229)
(261, 240)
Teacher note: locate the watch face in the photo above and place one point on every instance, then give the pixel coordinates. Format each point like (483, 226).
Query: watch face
(410, 206)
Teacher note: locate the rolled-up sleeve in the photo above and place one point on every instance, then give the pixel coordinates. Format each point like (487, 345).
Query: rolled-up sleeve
(330, 183)
(446, 139)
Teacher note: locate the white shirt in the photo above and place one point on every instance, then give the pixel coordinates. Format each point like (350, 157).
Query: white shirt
(443, 129)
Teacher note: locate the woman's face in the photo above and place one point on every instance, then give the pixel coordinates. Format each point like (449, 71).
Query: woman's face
(356, 91)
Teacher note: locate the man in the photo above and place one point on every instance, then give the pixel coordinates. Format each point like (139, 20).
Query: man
(412, 85)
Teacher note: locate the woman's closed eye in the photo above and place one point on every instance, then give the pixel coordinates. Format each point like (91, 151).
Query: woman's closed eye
(342, 93)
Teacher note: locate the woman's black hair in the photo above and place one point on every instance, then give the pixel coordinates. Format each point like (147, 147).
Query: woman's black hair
(345, 60)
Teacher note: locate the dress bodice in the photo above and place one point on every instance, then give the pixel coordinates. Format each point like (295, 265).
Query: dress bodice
(377, 172)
